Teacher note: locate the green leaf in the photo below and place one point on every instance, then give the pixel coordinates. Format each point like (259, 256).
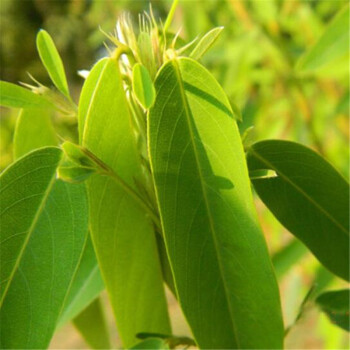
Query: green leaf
(15, 96)
(43, 234)
(118, 224)
(91, 324)
(333, 44)
(33, 130)
(86, 286)
(151, 344)
(89, 88)
(336, 304)
(222, 271)
(52, 61)
(142, 86)
(287, 257)
(206, 43)
(308, 196)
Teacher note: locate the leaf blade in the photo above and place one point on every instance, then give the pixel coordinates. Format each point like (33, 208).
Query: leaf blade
(206, 43)
(87, 93)
(15, 96)
(182, 120)
(52, 61)
(142, 85)
(308, 196)
(33, 130)
(92, 326)
(114, 215)
(86, 286)
(54, 230)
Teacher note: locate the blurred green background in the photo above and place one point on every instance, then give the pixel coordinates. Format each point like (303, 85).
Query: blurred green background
(254, 60)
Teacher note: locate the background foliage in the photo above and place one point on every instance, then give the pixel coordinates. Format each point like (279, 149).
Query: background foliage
(254, 60)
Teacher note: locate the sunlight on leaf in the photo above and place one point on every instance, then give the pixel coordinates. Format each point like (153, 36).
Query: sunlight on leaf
(15, 96)
(142, 86)
(118, 224)
(52, 61)
(207, 213)
(206, 43)
(33, 130)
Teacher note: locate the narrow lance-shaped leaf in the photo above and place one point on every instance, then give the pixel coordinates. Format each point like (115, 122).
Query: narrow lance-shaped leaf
(43, 234)
(223, 275)
(92, 325)
(336, 304)
(206, 43)
(142, 86)
(119, 226)
(33, 130)
(308, 196)
(52, 61)
(89, 88)
(12, 95)
(333, 44)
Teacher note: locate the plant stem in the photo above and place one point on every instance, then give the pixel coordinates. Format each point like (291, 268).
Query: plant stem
(134, 195)
(106, 170)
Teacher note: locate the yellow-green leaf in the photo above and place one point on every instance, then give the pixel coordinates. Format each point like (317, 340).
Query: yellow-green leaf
(52, 61)
(12, 95)
(33, 130)
(206, 43)
(143, 86)
(119, 225)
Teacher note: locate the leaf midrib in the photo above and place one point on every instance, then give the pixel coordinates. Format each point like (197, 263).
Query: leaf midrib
(210, 219)
(299, 189)
(30, 231)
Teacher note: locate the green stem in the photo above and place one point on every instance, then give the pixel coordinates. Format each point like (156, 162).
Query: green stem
(124, 50)
(106, 170)
(134, 195)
